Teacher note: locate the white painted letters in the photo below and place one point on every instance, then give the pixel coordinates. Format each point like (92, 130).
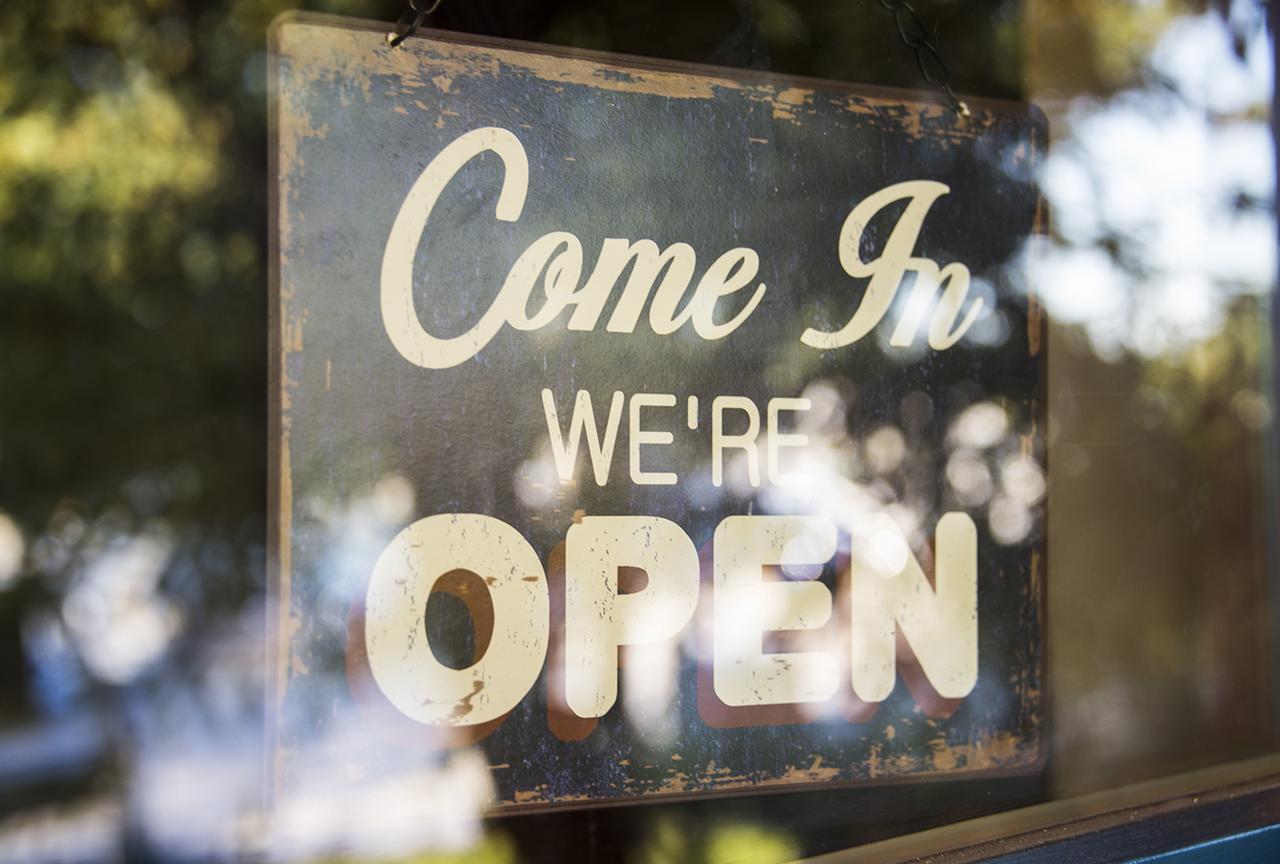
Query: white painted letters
(886, 274)
(747, 605)
(890, 591)
(400, 659)
(598, 619)
(660, 278)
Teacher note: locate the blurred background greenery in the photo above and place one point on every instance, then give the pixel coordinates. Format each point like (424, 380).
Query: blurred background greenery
(133, 236)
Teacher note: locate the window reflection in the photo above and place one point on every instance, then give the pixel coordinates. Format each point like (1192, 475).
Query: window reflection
(133, 603)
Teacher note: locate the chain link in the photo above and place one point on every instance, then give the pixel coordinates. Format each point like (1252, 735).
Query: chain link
(410, 21)
(915, 34)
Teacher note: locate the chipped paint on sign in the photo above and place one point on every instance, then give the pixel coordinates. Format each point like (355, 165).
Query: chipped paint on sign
(450, 467)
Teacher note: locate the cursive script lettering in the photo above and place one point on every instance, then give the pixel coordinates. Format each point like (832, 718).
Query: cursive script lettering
(658, 278)
(887, 271)
(556, 258)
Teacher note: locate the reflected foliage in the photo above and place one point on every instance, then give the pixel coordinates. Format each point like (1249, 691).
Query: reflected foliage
(133, 400)
(1159, 275)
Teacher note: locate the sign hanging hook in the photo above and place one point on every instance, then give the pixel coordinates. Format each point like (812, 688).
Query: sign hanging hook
(410, 21)
(915, 35)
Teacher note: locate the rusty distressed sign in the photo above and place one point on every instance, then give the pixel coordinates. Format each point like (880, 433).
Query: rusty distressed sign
(645, 429)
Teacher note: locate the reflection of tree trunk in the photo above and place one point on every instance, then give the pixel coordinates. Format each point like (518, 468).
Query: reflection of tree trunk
(1121, 607)
(1236, 679)
(1159, 643)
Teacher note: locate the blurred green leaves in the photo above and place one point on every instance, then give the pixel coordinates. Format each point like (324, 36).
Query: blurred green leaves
(133, 234)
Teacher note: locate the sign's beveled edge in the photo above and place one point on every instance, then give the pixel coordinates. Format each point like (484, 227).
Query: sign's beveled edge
(925, 98)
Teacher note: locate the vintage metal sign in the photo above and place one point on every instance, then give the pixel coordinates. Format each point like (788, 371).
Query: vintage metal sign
(648, 429)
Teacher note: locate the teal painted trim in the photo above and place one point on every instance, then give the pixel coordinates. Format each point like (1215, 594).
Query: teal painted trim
(1262, 845)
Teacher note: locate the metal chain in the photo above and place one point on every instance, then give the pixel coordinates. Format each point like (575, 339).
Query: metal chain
(410, 21)
(916, 36)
